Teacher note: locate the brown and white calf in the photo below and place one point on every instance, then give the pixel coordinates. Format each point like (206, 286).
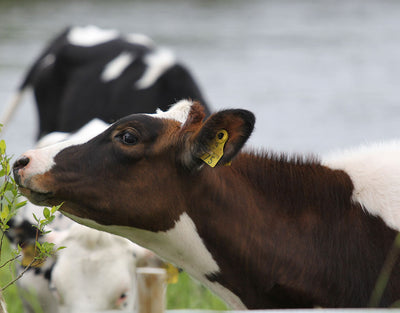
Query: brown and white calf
(266, 231)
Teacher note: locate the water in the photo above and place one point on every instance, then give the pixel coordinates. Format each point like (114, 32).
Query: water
(319, 75)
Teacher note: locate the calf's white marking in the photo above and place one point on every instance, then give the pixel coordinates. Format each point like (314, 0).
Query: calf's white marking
(178, 112)
(375, 172)
(42, 160)
(180, 245)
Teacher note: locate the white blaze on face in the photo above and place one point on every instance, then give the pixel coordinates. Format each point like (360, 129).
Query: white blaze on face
(90, 35)
(375, 172)
(96, 271)
(42, 160)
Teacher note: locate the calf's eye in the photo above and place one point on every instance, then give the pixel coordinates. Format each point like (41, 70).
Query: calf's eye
(128, 138)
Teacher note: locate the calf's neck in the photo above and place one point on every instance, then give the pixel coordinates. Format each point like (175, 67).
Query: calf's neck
(261, 230)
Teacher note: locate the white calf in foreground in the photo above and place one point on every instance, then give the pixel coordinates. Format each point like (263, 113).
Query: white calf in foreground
(96, 270)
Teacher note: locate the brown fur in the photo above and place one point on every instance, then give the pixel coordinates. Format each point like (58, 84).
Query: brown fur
(283, 231)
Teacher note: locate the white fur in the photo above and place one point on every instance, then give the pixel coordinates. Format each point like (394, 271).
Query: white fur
(375, 172)
(51, 139)
(157, 63)
(90, 35)
(140, 39)
(115, 67)
(178, 112)
(93, 271)
(180, 245)
(48, 60)
(42, 160)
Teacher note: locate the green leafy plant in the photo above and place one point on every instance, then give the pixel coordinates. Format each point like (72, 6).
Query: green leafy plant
(9, 205)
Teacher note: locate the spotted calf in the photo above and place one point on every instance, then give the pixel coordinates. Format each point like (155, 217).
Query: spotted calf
(261, 230)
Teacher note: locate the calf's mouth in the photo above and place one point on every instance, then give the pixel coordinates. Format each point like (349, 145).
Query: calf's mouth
(38, 198)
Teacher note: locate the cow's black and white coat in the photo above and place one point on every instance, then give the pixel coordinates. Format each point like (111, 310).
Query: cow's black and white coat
(88, 72)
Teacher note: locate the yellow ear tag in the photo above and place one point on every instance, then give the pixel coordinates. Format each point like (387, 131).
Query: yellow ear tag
(172, 273)
(28, 255)
(216, 148)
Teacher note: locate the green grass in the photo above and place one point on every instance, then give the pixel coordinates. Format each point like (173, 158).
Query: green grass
(11, 295)
(189, 294)
(186, 294)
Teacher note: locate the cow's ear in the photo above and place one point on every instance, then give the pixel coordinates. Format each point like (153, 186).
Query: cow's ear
(218, 139)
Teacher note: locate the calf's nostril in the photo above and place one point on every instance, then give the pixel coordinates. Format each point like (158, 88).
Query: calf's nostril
(20, 163)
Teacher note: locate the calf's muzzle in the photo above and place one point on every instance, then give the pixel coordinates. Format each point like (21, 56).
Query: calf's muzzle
(22, 162)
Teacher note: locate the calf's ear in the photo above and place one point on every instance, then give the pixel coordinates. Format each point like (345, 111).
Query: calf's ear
(218, 139)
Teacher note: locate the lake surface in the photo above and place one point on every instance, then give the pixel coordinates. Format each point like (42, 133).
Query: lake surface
(319, 75)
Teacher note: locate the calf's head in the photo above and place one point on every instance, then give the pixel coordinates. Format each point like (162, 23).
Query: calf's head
(96, 271)
(131, 173)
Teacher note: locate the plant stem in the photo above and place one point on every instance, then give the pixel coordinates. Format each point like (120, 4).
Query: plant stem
(10, 260)
(385, 273)
(1, 243)
(18, 277)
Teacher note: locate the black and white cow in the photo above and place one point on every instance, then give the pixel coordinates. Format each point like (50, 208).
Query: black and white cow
(88, 72)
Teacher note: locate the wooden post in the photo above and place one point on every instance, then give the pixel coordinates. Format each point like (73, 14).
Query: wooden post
(3, 308)
(151, 284)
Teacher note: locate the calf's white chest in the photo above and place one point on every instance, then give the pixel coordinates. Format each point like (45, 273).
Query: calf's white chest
(180, 245)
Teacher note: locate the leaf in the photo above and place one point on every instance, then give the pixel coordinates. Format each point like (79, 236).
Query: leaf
(10, 187)
(46, 249)
(46, 213)
(43, 223)
(54, 209)
(38, 245)
(5, 212)
(36, 219)
(2, 146)
(20, 204)
(16, 252)
(8, 200)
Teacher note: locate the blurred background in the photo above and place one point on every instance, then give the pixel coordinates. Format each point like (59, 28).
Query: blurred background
(319, 75)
